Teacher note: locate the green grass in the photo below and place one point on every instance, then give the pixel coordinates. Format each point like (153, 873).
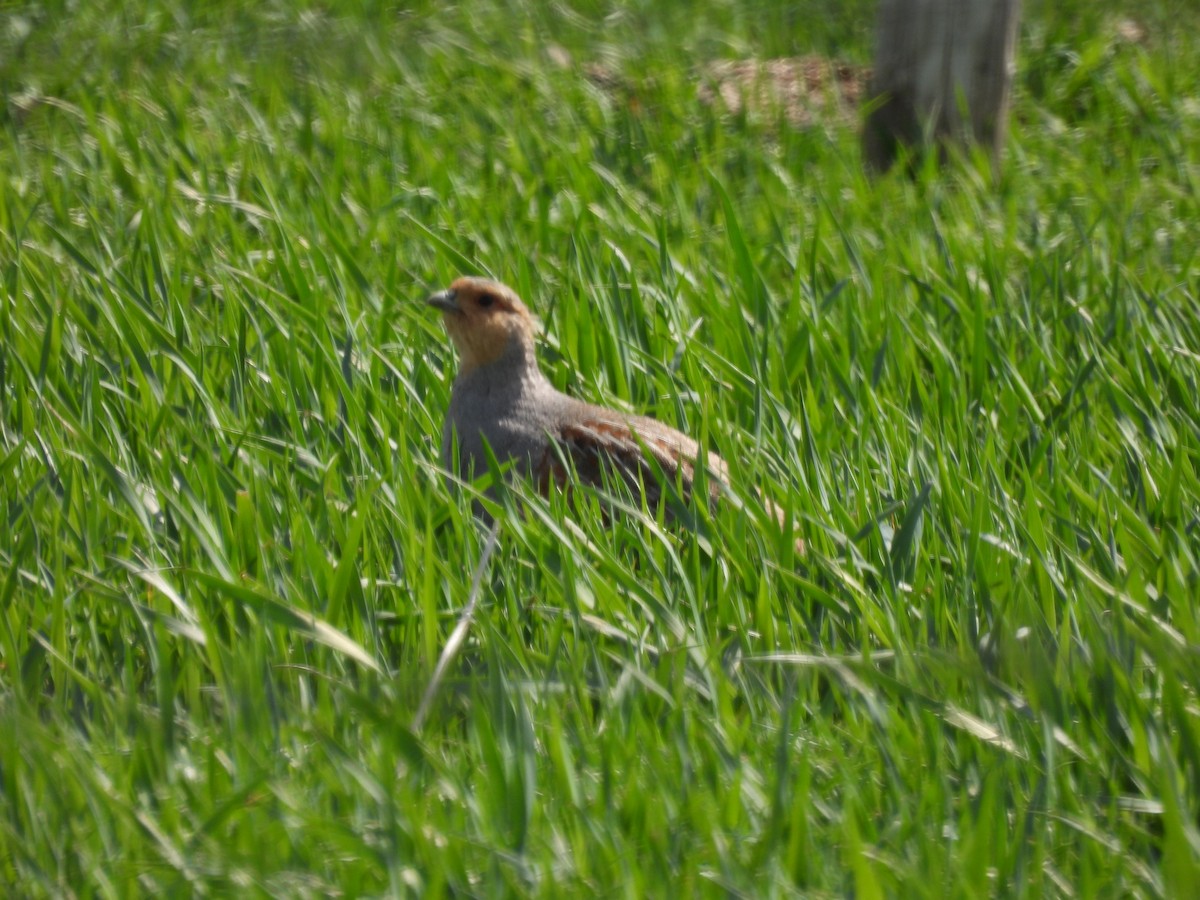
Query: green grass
(229, 563)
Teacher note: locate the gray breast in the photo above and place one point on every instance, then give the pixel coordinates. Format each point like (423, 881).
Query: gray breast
(512, 414)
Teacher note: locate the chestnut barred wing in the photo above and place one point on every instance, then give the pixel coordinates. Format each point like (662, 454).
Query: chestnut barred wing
(640, 453)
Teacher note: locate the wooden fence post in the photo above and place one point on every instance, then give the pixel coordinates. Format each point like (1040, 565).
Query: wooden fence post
(936, 62)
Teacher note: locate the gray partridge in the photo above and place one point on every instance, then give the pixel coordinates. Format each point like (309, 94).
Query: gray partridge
(501, 396)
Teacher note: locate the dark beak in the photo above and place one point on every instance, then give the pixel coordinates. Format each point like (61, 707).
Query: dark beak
(444, 300)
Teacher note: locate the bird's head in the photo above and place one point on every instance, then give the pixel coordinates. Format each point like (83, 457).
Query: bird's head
(485, 319)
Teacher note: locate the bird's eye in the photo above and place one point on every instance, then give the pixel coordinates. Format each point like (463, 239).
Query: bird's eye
(486, 300)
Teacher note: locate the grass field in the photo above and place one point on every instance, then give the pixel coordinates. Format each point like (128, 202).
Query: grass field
(229, 562)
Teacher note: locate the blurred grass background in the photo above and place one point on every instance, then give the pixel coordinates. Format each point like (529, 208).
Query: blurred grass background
(230, 562)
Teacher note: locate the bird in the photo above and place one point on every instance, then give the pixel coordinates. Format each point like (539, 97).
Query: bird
(501, 396)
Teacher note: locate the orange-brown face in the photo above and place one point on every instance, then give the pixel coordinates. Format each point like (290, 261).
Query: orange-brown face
(483, 318)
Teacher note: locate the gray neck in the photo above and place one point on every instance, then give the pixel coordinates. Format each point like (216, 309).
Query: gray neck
(504, 403)
(516, 371)
(501, 383)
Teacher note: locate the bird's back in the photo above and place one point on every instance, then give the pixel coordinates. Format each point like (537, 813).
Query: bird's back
(559, 441)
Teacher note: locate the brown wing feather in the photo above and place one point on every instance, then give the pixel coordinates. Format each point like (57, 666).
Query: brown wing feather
(600, 446)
